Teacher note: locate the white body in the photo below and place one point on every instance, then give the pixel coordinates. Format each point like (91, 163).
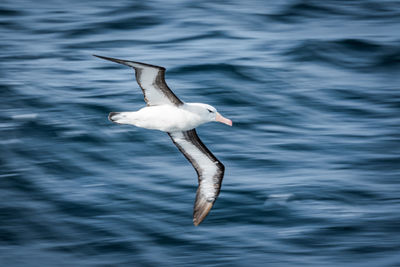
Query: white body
(167, 118)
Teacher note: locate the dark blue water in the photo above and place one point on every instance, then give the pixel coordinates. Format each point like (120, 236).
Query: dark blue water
(312, 162)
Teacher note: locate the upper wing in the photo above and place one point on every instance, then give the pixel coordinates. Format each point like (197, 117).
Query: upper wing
(209, 170)
(152, 81)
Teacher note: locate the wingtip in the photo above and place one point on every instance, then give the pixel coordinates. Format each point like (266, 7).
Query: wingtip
(116, 60)
(99, 56)
(129, 63)
(201, 211)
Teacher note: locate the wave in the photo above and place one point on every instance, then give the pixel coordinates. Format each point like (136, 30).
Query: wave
(354, 54)
(298, 10)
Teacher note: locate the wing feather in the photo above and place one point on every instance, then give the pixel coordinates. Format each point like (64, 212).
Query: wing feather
(210, 171)
(151, 80)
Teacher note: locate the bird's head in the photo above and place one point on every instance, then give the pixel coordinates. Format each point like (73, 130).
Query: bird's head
(208, 113)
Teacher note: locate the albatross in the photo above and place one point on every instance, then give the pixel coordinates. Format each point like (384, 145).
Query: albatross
(166, 112)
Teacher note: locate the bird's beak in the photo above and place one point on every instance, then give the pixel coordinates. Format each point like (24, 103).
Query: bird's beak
(222, 119)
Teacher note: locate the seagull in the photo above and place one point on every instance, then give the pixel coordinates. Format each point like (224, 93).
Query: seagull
(166, 112)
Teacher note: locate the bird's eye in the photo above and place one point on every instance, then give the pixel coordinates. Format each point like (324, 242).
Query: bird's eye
(209, 110)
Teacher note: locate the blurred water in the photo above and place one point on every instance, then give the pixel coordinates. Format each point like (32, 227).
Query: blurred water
(312, 162)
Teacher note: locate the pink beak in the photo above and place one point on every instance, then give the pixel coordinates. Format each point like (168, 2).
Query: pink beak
(220, 118)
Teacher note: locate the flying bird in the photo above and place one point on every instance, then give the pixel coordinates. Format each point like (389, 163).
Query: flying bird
(166, 112)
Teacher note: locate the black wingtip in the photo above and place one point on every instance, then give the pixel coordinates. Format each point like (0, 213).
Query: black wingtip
(99, 56)
(129, 63)
(116, 60)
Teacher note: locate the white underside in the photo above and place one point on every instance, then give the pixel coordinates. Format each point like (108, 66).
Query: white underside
(167, 118)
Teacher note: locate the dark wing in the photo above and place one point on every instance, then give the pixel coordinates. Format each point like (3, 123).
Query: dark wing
(152, 81)
(209, 169)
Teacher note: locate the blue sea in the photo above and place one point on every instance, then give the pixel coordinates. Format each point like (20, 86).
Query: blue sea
(312, 160)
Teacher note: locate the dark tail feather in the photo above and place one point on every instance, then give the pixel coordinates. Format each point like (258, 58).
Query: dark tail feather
(111, 115)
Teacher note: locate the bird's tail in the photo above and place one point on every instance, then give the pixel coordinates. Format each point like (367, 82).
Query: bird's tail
(119, 117)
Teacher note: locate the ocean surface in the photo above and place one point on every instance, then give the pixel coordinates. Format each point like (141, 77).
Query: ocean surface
(312, 160)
